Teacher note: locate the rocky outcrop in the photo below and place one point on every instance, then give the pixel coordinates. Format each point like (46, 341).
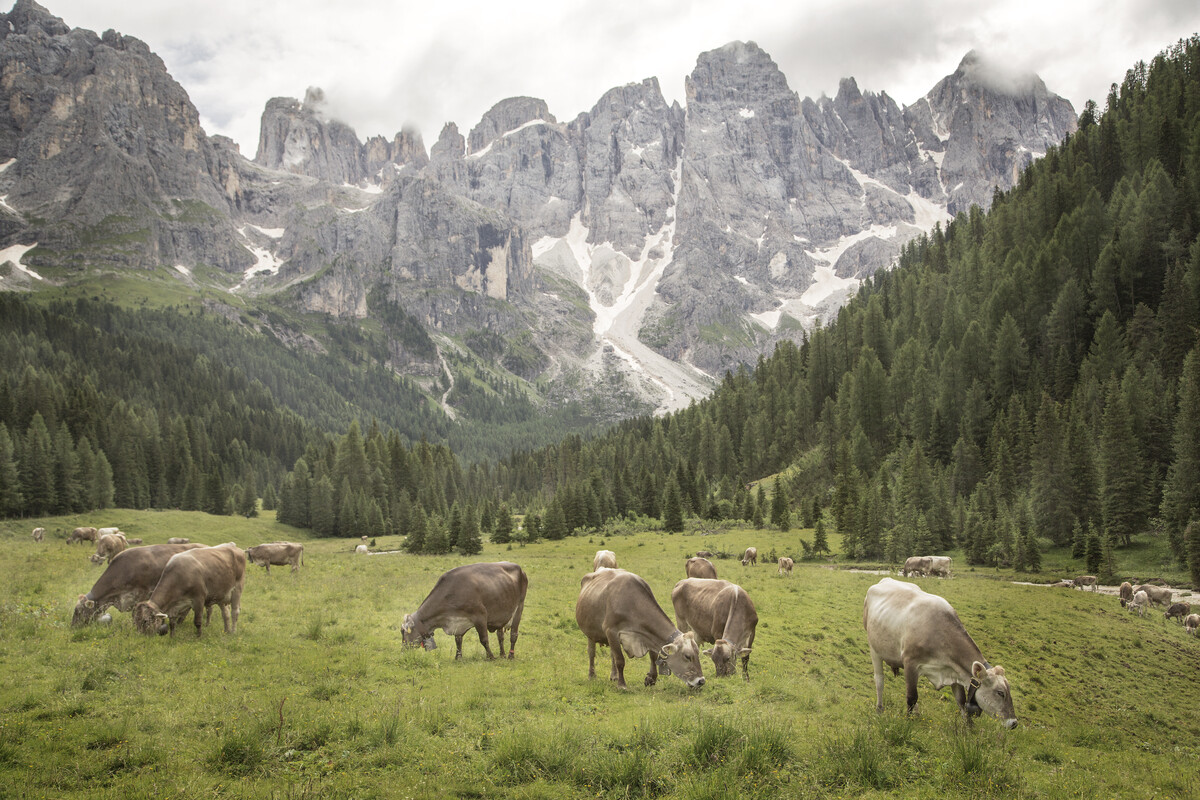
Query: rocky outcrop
(297, 137)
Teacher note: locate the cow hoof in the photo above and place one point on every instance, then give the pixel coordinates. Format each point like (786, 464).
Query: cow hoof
(651, 680)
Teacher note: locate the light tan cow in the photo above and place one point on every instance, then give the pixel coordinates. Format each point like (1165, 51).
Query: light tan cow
(489, 597)
(178, 540)
(1139, 603)
(720, 613)
(785, 566)
(279, 554)
(617, 609)
(39, 534)
(1159, 595)
(82, 535)
(750, 556)
(195, 581)
(362, 550)
(697, 567)
(910, 629)
(704, 554)
(916, 565)
(108, 546)
(1190, 623)
(604, 558)
(1086, 580)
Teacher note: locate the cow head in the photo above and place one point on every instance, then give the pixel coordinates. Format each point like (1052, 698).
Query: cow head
(148, 619)
(681, 657)
(85, 611)
(990, 692)
(724, 655)
(414, 634)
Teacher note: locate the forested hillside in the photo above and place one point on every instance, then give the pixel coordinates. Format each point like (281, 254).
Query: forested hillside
(1029, 372)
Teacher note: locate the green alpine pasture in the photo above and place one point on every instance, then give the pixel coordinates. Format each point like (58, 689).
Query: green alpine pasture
(314, 697)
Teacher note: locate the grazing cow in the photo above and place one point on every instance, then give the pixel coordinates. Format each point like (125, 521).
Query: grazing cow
(129, 579)
(916, 565)
(697, 567)
(278, 553)
(1065, 583)
(617, 609)
(108, 546)
(133, 541)
(720, 613)
(109, 532)
(785, 566)
(178, 540)
(362, 548)
(82, 535)
(1159, 595)
(1190, 623)
(920, 632)
(486, 597)
(1180, 610)
(1125, 593)
(750, 556)
(1139, 603)
(604, 558)
(1085, 580)
(195, 580)
(703, 554)
(39, 534)
(940, 566)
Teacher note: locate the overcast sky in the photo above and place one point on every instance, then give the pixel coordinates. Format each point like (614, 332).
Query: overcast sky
(387, 63)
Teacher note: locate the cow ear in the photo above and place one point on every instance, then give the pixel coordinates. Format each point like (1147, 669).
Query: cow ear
(978, 670)
(669, 649)
(407, 624)
(160, 615)
(708, 652)
(745, 651)
(90, 603)
(998, 672)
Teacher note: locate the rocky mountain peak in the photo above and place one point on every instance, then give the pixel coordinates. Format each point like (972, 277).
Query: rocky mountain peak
(27, 15)
(505, 117)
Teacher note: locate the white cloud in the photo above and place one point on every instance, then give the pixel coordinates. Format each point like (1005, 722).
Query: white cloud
(384, 64)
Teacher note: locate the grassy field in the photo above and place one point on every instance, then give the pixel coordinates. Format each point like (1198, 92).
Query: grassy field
(315, 698)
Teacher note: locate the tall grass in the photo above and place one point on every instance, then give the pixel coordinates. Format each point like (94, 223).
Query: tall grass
(315, 697)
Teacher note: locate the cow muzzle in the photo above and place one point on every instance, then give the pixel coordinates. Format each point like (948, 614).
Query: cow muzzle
(697, 683)
(1010, 723)
(428, 643)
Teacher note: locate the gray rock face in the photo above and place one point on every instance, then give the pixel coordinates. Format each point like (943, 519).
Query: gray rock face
(657, 232)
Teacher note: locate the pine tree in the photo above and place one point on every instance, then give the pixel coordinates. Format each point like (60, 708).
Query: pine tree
(417, 526)
(248, 498)
(37, 470)
(820, 539)
(1181, 490)
(324, 522)
(672, 507)
(1108, 559)
(270, 501)
(214, 492)
(11, 499)
(1122, 503)
(437, 541)
(556, 522)
(502, 532)
(469, 541)
(1033, 552)
(1095, 550)
(101, 492)
(780, 513)
(760, 504)
(1192, 536)
(455, 524)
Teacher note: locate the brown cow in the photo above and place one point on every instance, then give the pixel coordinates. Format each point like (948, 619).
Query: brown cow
(604, 558)
(39, 534)
(703, 554)
(917, 565)
(195, 580)
(617, 609)
(1085, 580)
(1180, 610)
(485, 596)
(1125, 592)
(178, 540)
(108, 546)
(1159, 595)
(279, 554)
(750, 556)
(785, 566)
(129, 579)
(697, 567)
(720, 613)
(82, 535)
(920, 632)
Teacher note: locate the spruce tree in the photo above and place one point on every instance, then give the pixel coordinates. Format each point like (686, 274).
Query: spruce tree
(214, 492)
(414, 542)
(37, 470)
(270, 500)
(820, 539)
(1095, 550)
(11, 500)
(469, 541)
(556, 522)
(248, 498)
(1033, 553)
(672, 507)
(455, 524)
(780, 514)
(437, 541)
(1192, 536)
(1078, 540)
(1108, 558)
(502, 532)
(321, 509)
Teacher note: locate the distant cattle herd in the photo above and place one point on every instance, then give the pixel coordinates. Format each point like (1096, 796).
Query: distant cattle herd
(907, 628)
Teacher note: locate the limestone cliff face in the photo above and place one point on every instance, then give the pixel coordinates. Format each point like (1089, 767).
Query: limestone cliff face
(105, 151)
(297, 137)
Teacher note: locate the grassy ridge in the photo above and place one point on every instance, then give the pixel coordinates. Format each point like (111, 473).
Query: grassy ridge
(315, 698)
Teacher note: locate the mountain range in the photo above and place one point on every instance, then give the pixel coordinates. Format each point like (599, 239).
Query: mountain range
(632, 254)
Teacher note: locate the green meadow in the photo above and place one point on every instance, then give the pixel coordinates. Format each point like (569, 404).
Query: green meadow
(314, 697)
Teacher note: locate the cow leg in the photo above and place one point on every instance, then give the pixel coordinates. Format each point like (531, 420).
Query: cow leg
(618, 661)
(225, 616)
(591, 659)
(483, 640)
(877, 664)
(458, 647)
(198, 607)
(960, 697)
(911, 676)
(500, 642)
(235, 607)
(746, 666)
